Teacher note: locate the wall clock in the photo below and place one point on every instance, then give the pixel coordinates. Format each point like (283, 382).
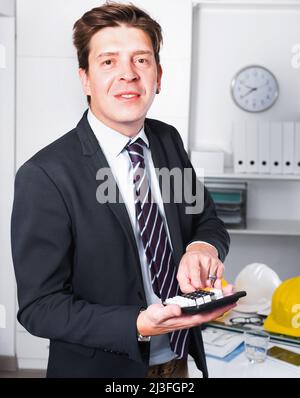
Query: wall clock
(254, 88)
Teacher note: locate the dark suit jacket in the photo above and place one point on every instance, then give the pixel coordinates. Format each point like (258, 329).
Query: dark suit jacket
(76, 260)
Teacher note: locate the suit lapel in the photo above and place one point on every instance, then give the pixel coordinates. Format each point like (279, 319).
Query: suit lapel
(160, 160)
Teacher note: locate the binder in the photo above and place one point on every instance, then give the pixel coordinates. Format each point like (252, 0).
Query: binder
(239, 147)
(251, 146)
(288, 148)
(2, 317)
(264, 147)
(2, 56)
(276, 147)
(297, 149)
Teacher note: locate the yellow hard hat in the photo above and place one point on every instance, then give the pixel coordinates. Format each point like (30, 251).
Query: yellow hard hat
(285, 314)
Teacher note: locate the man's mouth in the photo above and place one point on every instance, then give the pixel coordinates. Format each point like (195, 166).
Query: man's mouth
(127, 95)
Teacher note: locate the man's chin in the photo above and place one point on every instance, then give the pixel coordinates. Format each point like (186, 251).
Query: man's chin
(130, 119)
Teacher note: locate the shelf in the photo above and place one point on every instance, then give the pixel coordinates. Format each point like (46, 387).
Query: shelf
(269, 227)
(230, 175)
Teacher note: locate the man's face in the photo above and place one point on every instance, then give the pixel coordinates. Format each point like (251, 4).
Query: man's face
(122, 78)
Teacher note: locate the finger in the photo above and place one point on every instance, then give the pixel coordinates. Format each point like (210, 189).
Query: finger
(220, 270)
(184, 283)
(195, 275)
(167, 312)
(205, 265)
(218, 284)
(184, 280)
(211, 273)
(219, 275)
(228, 289)
(186, 287)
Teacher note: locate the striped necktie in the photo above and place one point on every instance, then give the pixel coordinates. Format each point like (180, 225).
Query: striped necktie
(155, 241)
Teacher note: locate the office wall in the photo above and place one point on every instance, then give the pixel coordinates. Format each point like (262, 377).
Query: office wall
(7, 167)
(7, 7)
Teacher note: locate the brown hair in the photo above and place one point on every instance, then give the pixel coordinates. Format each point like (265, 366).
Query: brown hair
(112, 14)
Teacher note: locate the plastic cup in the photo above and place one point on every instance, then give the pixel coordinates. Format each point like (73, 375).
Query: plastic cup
(256, 345)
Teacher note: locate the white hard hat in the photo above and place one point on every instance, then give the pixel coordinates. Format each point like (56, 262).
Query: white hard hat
(259, 281)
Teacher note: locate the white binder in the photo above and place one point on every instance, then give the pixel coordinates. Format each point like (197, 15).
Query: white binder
(239, 147)
(297, 149)
(2, 317)
(264, 147)
(276, 147)
(288, 148)
(2, 56)
(251, 146)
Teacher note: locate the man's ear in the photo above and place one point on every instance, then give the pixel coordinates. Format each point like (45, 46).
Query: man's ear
(159, 76)
(85, 81)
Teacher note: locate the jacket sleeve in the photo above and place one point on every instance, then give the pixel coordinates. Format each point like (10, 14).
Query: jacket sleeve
(43, 252)
(206, 226)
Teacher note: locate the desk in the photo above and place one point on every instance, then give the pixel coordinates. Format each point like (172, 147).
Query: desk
(240, 367)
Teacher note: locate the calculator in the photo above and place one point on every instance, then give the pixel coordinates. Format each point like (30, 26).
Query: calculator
(204, 300)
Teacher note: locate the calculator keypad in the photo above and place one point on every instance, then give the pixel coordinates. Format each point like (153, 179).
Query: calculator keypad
(196, 298)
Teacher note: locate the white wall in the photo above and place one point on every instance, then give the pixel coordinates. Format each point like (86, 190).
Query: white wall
(7, 7)
(7, 167)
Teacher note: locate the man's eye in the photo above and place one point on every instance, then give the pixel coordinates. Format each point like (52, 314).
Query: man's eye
(107, 62)
(142, 60)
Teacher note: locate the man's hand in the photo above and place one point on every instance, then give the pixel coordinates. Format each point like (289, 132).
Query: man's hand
(199, 261)
(159, 319)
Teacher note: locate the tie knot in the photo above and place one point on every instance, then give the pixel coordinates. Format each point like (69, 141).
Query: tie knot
(136, 151)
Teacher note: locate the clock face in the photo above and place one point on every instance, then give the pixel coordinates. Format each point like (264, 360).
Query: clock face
(254, 89)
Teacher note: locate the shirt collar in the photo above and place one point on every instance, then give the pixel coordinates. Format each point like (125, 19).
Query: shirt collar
(111, 141)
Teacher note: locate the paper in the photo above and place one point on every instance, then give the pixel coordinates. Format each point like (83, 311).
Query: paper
(219, 343)
(231, 355)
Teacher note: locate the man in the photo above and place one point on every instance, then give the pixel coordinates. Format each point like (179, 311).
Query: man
(91, 274)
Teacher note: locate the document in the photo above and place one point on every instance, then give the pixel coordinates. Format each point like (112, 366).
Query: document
(219, 343)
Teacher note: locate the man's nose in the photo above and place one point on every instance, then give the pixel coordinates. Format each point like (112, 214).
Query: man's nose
(128, 73)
